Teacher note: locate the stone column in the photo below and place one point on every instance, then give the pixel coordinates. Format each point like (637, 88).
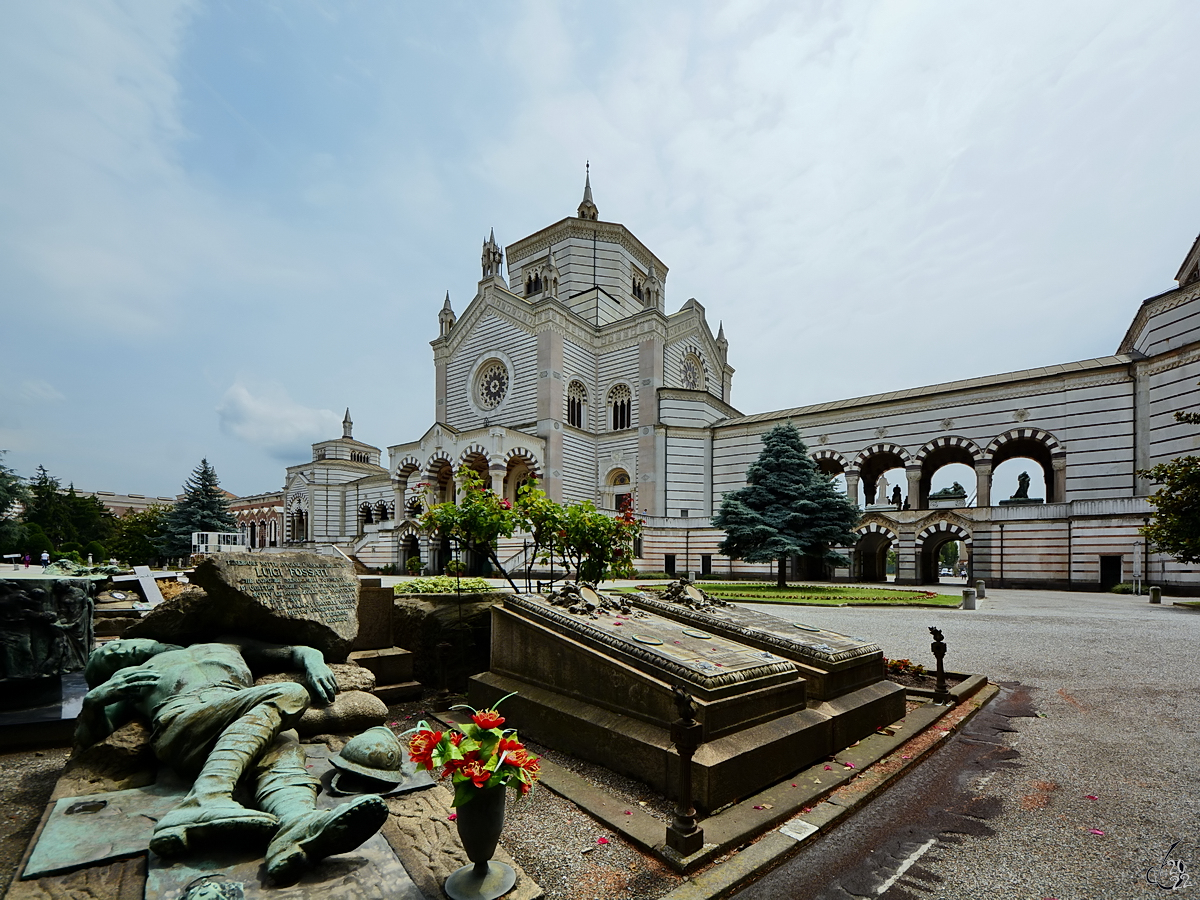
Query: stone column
(497, 472)
(906, 559)
(913, 474)
(852, 485)
(458, 489)
(1059, 465)
(983, 484)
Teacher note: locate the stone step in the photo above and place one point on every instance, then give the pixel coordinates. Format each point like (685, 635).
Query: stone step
(398, 693)
(392, 665)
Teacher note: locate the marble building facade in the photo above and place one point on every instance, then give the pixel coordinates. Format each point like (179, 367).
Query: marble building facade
(570, 370)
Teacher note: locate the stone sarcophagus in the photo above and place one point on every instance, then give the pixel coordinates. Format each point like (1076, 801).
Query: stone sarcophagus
(595, 679)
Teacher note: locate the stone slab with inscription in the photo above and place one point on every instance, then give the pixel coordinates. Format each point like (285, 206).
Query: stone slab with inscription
(284, 598)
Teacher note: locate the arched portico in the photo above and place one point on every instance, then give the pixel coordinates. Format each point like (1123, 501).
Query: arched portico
(877, 459)
(929, 543)
(943, 451)
(870, 553)
(1040, 446)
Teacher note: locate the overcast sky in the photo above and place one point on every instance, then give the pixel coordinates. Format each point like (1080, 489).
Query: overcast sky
(222, 223)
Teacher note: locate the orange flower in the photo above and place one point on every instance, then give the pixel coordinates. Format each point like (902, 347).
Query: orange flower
(488, 718)
(476, 772)
(509, 745)
(421, 747)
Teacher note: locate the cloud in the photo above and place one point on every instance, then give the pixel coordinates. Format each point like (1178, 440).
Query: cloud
(274, 422)
(33, 392)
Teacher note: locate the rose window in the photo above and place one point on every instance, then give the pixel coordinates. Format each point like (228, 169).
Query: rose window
(692, 373)
(493, 384)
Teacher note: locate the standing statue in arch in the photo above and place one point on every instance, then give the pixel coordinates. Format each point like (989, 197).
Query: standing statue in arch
(213, 724)
(881, 490)
(896, 496)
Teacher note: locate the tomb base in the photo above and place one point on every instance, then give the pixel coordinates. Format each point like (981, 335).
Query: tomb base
(723, 770)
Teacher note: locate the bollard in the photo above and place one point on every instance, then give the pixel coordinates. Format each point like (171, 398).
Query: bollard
(969, 597)
(1156, 595)
(979, 589)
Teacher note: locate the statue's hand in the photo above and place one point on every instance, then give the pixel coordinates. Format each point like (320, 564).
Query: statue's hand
(128, 684)
(321, 681)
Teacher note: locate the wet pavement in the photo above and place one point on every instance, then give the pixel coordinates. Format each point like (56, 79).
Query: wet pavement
(1075, 782)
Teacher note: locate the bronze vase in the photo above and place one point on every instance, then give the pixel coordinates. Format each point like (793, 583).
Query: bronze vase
(480, 821)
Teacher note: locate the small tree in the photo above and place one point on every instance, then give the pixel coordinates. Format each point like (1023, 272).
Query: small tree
(543, 519)
(477, 520)
(787, 507)
(598, 545)
(204, 507)
(948, 555)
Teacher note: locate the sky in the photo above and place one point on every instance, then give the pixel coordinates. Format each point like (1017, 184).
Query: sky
(223, 223)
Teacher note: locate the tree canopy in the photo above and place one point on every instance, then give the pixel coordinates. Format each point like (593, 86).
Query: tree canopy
(788, 507)
(204, 507)
(13, 493)
(1176, 526)
(64, 516)
(593, 543)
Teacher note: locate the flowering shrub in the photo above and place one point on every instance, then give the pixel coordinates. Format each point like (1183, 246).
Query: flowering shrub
(904, 666)
(443, 584)
(480, 757)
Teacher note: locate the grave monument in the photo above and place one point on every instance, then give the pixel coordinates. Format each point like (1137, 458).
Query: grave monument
(189, 672)
(596, 677)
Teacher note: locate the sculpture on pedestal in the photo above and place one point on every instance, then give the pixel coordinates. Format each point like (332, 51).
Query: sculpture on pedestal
(212, 723)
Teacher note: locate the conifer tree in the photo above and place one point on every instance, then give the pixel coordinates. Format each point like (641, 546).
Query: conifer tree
(204, 507)
(12, 494)
(787, 507)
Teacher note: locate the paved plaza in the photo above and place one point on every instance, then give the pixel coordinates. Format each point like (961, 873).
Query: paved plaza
(1112, 684)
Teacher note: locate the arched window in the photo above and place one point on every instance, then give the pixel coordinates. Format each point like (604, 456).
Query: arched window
(576, 404)
(620, 405)
(365, 515)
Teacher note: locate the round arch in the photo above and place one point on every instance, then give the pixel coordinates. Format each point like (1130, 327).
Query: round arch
(439, 472)
(873, 461)
(870, 552)
(1038, 445)
(943, 451)
(519, 468)
(830, 462)
(929, 543)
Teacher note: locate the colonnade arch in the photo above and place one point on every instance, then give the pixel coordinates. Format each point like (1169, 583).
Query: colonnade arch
(1036, 444)
(929, 543)
(870, 553)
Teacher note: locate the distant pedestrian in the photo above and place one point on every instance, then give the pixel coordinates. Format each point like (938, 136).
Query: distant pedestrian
(45, 559)
(27, 560)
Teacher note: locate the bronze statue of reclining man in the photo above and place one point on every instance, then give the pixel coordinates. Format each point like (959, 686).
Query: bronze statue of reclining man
(213, 724)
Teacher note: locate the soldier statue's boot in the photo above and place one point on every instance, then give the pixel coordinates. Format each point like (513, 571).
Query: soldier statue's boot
(209, 813)
(302, 842)
(287, 789)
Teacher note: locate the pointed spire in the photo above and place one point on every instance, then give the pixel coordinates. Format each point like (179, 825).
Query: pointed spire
(721, 331)
(347, 425)
(446, 317)
(587, 208)
(492, 236)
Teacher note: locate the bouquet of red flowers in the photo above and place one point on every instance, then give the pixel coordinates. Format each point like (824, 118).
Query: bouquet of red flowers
(480, 757)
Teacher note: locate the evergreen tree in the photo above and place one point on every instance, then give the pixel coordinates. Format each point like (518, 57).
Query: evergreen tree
(204, 507)
(12, 493)
(49, 508)
(787, 507)
(138, 535)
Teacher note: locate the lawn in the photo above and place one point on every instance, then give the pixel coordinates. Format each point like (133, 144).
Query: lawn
(821, 594)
